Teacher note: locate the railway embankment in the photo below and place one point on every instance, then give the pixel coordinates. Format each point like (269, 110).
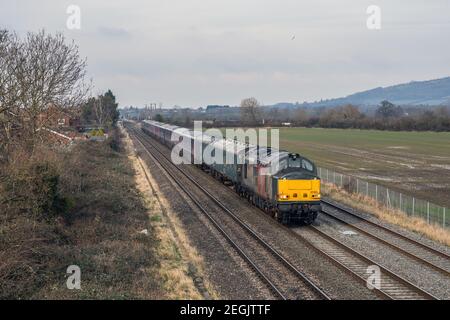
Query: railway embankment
(85, 208)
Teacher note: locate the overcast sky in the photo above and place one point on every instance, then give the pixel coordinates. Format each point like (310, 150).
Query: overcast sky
(199, 52)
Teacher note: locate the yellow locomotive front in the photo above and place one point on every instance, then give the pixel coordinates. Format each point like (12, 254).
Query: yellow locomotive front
(297, 190)
(305, 191)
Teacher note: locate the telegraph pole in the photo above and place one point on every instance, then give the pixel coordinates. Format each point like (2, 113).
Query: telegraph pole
(151, 109)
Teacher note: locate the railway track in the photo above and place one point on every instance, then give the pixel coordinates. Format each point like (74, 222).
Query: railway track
(391, 286)
(281, 276)
(420, 252)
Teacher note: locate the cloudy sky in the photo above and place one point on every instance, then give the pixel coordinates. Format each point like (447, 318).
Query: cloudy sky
(199, 52)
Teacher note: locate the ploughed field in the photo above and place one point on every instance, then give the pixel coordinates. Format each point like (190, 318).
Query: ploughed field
(416, 163)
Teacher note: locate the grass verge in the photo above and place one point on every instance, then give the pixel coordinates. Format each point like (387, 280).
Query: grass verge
(181, 267)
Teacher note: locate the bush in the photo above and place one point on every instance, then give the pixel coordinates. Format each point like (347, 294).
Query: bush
(114, 141)
(30, 205)
(32, 189)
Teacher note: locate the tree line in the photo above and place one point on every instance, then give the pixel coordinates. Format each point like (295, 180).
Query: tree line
(387, 116)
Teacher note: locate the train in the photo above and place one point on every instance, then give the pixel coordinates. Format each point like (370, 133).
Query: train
(283, 184)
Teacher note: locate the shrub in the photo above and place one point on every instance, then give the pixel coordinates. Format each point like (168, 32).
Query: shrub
(114, 141)
(33, 189)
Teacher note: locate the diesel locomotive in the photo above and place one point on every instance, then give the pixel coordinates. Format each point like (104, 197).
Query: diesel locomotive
(283, 184)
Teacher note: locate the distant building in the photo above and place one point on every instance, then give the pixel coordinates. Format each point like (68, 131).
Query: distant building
(54, 117)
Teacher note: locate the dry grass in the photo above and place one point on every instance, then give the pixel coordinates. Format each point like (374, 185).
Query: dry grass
(99, 232)
(181, 267)
(116, 260)
(392, 216)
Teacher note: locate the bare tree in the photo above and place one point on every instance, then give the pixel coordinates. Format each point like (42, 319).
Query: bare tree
(9, 48)
(100, 110)
(37, 74)
(250, 111)
(50, 74)
(9, 88)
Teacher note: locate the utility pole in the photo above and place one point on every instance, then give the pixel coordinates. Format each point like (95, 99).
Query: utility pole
(150, 110)
(153, 109)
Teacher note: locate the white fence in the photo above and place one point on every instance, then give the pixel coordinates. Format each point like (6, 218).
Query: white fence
(412, 206)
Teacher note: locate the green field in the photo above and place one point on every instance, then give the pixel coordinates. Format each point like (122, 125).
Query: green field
(415, 163)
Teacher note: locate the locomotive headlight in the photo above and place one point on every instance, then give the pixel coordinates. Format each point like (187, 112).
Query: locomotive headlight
(283, 196)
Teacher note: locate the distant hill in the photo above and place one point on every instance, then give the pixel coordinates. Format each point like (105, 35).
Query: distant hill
(432, 92)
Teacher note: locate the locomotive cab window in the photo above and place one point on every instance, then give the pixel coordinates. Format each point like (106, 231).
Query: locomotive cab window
(294, 163)
(282, 165)
(307, 165)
